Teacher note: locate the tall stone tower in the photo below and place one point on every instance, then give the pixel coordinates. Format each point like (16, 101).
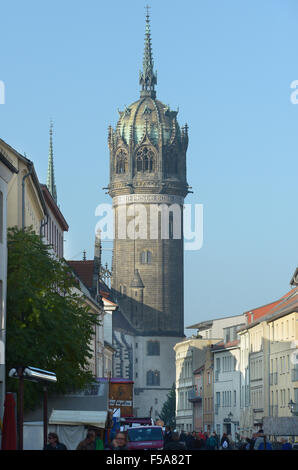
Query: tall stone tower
(148, 185)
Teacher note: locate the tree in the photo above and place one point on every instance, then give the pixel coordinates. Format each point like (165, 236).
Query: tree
(48, 324)
(168, 412)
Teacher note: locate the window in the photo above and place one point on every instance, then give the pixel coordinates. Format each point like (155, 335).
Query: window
(1, 217)
(153, 348)
(146, 257)
(1, 304)
(145, 160)
(121, 162)
(153, 377)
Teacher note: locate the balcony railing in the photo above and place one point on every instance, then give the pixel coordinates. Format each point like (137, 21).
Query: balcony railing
(193, 395)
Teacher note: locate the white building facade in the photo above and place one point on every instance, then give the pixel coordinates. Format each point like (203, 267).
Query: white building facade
(227, 389)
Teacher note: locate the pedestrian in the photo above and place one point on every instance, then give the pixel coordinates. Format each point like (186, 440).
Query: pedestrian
(286, 445)
(198, 442)
(174, 444)
(224, 443)
(211, 443)
(190, 440)
(183, 436)
(119, 442)
(268, 446)
(88, 443)
(98, 441)
(258, 439)
(217, 439)
(168, 434)
(54, 443)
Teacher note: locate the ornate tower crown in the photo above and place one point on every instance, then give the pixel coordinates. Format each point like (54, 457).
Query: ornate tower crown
(148, 147)
(147, 77)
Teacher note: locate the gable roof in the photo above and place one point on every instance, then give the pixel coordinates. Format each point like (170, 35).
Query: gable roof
(286, 304)
(84, 270)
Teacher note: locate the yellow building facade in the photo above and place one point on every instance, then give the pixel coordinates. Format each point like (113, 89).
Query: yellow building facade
(283, 363)
(25, 202)
(269, 365)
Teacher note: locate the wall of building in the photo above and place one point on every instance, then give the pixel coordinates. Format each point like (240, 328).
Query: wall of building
(5, 177)
(34, 212)
(283, 364)
(227, 391)
(190, 355)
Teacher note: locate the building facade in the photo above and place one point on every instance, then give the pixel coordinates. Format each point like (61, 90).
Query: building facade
(7, 171)
(190, 360)
(268, 346)
(226, 388)
(25, 201)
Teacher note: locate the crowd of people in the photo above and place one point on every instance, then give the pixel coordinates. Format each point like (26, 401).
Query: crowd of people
(211, 441)
(92, 441)
(174, 440)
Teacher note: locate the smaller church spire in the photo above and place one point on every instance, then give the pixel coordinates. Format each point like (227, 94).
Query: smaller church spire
(147, 77)
(51, 177)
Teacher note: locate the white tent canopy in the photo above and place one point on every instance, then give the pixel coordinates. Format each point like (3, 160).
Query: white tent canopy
(79, 418)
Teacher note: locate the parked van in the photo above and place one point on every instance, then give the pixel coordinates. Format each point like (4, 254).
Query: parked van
(145, 437)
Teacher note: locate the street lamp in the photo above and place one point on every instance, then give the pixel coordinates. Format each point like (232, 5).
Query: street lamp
(230, 416)
(292, 406)
(34, 375)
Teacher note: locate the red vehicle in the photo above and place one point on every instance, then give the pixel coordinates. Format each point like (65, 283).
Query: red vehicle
(145, 437)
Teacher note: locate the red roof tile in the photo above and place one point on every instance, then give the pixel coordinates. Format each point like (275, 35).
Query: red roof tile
(259, 312)
(84, 270)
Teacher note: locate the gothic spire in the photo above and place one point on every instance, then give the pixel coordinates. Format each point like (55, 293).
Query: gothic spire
(147, 77)
(51, 177)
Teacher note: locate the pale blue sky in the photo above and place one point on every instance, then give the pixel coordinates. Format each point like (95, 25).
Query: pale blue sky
(227, 65)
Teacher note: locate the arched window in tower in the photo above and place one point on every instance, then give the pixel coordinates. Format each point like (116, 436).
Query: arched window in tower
(145, 160)
(153, 377)
(121, 162)
(146, 257)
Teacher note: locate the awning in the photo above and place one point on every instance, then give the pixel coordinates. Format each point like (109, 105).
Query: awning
(78, 418)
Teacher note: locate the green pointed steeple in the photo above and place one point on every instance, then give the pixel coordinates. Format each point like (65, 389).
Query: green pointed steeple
(147, 77)
(51, 177)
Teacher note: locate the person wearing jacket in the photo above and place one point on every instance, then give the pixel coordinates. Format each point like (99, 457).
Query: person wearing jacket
(54, 443)
(119, 442)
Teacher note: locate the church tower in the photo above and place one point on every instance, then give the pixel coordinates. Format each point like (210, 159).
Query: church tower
(148, 186)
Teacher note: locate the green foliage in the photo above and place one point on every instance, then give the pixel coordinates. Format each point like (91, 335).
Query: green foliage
(168, 412)
(48, 324)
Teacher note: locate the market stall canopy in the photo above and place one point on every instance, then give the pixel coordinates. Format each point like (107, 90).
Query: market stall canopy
(78, 418)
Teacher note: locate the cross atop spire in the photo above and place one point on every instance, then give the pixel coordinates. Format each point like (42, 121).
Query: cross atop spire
(51, 177)
(147, 77)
